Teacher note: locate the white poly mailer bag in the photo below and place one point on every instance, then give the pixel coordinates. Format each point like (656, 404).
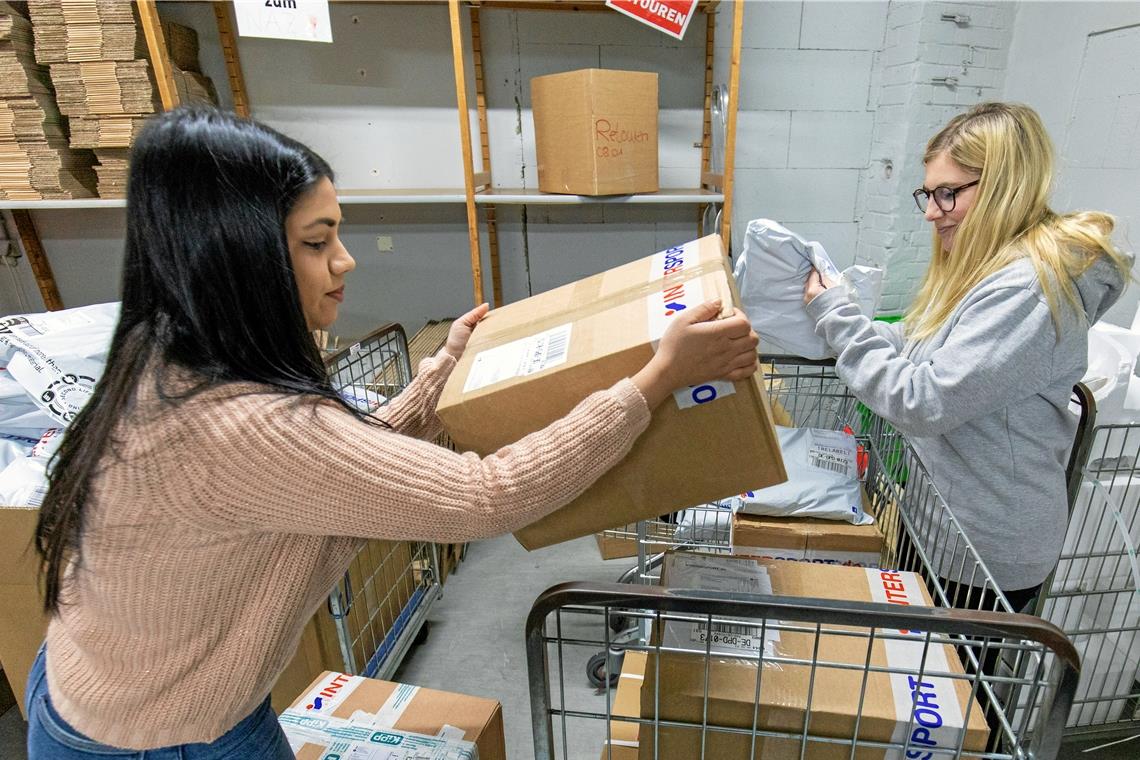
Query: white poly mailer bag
(24, 481)
(56, 358)
(823, 479)
(770, 274)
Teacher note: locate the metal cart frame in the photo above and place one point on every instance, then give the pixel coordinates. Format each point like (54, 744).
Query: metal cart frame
(1009, 659)
(1094, 594)
(389, 605)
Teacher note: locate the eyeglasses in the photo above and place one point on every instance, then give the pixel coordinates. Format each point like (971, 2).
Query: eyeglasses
(944, 197)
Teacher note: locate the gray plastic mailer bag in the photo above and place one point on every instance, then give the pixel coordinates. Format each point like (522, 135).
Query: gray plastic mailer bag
(770, 274)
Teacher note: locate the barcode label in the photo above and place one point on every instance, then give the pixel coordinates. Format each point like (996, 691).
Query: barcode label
(828, 464)
(728, 635)
(832, 452)
(519, 358)
(37, 497)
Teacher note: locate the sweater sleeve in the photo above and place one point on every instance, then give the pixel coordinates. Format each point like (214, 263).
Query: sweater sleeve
(412, 412)
(999, 349)
(291, 466)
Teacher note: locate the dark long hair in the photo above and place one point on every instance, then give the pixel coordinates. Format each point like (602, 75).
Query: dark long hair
(207, 287)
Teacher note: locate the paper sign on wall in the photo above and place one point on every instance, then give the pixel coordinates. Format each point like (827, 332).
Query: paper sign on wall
(306, 20)
(669, 16)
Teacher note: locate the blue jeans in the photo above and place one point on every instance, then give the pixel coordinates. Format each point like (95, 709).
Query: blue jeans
(257, 737)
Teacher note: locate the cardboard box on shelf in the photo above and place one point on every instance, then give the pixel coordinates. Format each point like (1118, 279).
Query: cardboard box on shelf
(596, 132)
(807, 539)
(338, 707)
(531, 362)
(940, 702)
(22, 619)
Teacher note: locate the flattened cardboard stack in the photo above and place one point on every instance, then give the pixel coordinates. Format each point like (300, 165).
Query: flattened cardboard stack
(112, 172)
(35, 159)
(104, 80)
(63, 43)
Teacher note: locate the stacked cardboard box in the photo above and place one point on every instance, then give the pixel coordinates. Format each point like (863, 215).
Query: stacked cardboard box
(347, 716)
(111, 171)
(822, 682)
(99, 65)
(35, 159)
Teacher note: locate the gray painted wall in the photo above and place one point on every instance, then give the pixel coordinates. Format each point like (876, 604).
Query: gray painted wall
(379, 104)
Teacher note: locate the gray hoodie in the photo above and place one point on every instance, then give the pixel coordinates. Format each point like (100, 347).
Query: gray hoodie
(985, 404)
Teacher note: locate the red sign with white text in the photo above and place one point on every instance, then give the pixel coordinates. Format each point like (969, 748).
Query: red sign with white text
(670, 16)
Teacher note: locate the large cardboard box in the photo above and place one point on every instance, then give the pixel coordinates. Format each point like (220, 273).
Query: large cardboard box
(529, 363)
(941, 701)
(596, 132)
(22, 620)
(337, 707)
(807, 539)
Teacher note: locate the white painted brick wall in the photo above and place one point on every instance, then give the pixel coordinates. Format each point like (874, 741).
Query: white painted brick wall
(918, 47)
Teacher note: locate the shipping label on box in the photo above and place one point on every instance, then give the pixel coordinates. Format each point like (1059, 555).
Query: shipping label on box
(930, 711)
(712, 441)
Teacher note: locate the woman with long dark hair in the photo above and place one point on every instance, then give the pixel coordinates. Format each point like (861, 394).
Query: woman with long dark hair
(214, 488)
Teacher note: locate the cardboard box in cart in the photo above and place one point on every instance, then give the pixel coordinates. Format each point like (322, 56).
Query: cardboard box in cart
(596, 132)
(807, 539)
(529, 363)
(339, 713)
(941, 702)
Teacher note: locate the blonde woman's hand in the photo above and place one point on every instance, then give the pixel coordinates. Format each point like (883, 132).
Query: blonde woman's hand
(461, 330)
(698, 348)
(815, 284)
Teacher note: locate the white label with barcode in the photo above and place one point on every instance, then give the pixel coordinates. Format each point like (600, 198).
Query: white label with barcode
(731, 635)
(519, 358)
(833, 452)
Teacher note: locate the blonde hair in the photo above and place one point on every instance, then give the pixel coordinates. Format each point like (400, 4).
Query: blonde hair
(1010, 218)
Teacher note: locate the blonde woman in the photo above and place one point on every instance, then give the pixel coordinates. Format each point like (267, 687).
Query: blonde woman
(979, 374)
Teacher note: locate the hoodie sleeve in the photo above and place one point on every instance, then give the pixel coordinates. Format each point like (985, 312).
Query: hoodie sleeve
(1000, 349)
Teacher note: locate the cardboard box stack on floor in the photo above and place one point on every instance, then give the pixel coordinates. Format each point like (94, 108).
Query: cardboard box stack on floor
(676, 681)
(596, 132)
(349, 716)
(99, 64)
(530, 362)
(35, 159)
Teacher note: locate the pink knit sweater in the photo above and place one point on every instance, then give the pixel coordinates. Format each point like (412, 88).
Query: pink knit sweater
(218, 526)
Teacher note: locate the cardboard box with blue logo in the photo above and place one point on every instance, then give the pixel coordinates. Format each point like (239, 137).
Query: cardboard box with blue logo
(530, 362)
(340, 716)
(830, 696)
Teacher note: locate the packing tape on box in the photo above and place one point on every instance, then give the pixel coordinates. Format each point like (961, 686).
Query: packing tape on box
(393, 708)
(654, 285)
(938, 721)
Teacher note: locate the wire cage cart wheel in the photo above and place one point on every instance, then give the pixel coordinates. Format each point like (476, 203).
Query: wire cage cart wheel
(380, 606)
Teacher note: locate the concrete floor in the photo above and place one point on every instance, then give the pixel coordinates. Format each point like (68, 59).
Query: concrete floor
(475, 646)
